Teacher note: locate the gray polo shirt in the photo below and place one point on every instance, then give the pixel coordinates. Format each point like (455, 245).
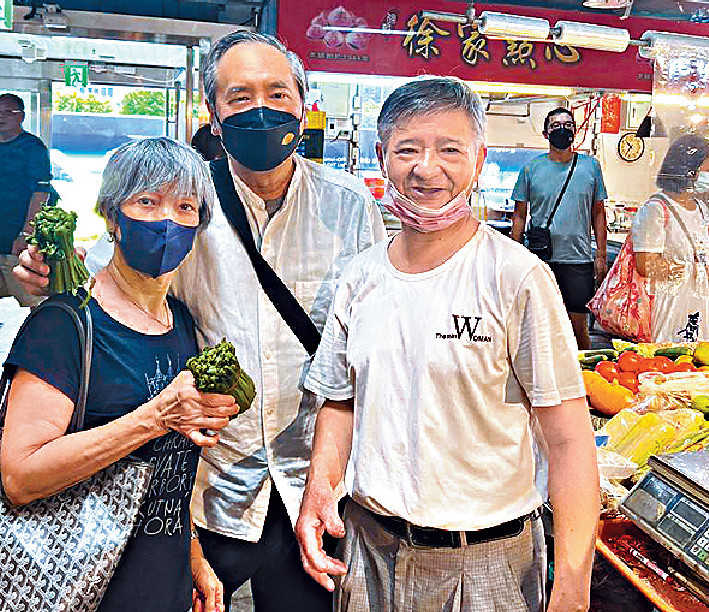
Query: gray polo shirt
(540, 182)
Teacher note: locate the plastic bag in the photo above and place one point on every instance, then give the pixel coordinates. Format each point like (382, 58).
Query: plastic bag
(619, 425)
(622, 304)
(614, 466)
(670, 391)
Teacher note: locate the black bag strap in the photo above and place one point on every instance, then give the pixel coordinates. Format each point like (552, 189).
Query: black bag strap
(85, 330)
(563, 190)
(288, 307)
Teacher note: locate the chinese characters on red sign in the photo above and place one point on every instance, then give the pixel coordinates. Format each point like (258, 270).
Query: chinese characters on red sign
(423, 34)
(393, 38)
(610, 114)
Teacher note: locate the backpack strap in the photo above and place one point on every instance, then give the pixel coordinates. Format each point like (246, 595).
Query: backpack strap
(84, 328)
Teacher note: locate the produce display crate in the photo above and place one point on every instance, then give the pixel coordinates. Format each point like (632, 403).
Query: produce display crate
(666, 596)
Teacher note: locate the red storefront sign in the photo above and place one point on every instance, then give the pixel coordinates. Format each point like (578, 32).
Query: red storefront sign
(436, 47)
(610, 114)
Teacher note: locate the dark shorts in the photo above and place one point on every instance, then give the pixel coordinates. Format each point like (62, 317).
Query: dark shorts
(577, 283)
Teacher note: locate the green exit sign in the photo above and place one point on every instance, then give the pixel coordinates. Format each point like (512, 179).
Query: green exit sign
(6, 14)
(76, 75)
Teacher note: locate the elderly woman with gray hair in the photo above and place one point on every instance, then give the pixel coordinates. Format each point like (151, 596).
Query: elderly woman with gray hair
(156, 194)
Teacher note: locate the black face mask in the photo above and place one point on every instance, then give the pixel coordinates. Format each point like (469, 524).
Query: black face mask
(261, 138)
(561, 138)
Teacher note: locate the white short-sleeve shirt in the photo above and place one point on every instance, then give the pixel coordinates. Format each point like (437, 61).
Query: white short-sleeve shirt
(444, 366)
(680, 310)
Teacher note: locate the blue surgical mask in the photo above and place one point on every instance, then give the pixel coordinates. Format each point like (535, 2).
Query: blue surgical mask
(154, 247)
(701, 185)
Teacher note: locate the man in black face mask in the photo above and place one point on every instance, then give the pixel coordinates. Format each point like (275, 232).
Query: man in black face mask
(306, 220)
(578, 179)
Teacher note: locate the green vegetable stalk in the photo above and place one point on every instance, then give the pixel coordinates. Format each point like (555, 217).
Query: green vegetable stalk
(217, 370)
(54, 237)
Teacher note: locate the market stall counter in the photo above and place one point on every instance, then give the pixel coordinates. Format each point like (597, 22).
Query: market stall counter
(648, 567)
(650, 407)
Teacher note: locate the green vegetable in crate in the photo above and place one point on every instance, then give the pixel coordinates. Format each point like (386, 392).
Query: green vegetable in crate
(673, 352)
(217, 370)
(54, 237)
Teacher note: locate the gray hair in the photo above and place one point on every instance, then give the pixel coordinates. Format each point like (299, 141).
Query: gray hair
(244, 35)
(426, 96)
(152, 164)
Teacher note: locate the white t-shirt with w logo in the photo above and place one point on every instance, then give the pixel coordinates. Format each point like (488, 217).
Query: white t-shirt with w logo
(444, 366)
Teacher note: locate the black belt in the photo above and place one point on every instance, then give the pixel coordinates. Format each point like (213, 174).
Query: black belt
(432, 537)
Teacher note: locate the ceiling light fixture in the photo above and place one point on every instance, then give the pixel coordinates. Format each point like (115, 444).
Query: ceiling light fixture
(607, 4)
(503, 26)
(586, 35)
(32, 50)
(53, 18)
(591, 36)
(517, 88)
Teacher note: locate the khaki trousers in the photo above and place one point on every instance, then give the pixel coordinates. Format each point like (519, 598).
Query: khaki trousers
(385, 574)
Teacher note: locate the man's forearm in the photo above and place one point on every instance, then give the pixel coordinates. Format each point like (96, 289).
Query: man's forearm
(600, 228)
(519, 220)
(332, 442)
(574, 493)
(36, 202)
(39, 198)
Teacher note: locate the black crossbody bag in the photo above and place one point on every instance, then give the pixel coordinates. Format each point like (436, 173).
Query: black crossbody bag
(281, 297)
(538, 238)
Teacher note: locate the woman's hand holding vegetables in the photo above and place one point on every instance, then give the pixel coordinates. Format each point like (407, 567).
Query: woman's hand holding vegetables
(181, 407)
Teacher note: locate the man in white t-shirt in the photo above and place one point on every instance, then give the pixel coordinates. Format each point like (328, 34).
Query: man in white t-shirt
(441, 346)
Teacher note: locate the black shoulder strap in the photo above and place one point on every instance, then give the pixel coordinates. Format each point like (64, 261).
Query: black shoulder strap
(85, 330)
(563, 190)
(276, 290)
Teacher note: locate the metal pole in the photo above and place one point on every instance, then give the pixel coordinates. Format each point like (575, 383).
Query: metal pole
(45, 111)
(189, 87)
(178, 87)
(167, 111)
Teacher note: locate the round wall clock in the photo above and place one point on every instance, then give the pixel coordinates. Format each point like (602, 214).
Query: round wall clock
(630, 147)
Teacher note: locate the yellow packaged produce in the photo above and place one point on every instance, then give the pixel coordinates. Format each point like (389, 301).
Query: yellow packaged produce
(685, 421)
(654, 444)
(619, 425)
(648, 436)
(693, 441)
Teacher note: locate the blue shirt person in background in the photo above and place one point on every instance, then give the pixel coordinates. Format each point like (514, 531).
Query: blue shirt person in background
(581, 208)
(24, 163)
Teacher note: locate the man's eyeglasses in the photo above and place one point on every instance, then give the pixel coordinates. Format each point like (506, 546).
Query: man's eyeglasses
(9, 113)
(569, 125)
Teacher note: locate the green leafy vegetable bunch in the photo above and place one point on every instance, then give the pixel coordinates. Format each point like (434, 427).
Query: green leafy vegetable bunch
(217, 370)
(53, 236)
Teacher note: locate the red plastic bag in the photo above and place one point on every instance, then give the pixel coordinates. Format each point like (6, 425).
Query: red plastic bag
(622, 304)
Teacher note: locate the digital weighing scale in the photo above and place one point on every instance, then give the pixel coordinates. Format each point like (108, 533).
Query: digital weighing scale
(671, 505)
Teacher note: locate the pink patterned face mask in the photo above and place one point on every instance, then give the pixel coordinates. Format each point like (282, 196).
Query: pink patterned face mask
(426, 219)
